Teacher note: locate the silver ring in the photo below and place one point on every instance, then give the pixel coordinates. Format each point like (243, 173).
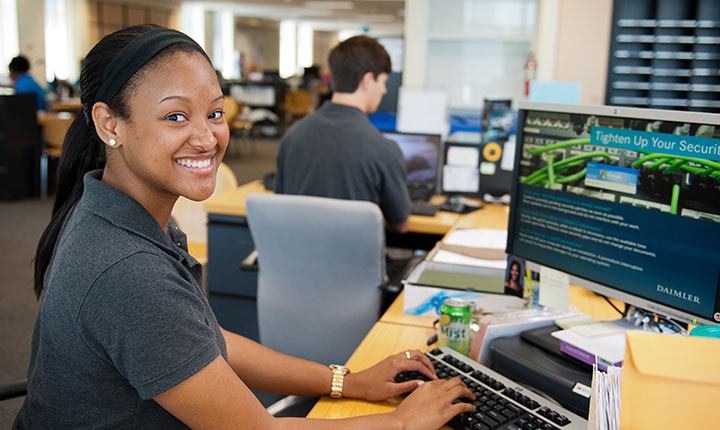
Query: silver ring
(407, 354)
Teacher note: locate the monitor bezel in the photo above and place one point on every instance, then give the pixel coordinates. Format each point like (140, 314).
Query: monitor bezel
(609, 111)
(440, 158)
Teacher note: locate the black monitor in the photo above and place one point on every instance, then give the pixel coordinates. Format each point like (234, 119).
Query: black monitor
(422, 159)
(626, 201)
(389, 102)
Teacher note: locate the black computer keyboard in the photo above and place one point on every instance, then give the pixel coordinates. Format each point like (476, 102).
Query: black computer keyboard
(499, 402)
(420, 207)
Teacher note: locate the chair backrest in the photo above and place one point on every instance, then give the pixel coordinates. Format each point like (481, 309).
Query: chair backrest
(299, 102)
(54, 128)
(321, 264)
(231, 108)
(191, 217)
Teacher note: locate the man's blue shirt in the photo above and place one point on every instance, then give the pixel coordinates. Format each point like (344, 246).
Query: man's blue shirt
(26, 84)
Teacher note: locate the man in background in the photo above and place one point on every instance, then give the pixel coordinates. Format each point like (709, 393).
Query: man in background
(24, 83)
(336, 152)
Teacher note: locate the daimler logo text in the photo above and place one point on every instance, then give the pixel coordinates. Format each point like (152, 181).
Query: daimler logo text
(679, 294)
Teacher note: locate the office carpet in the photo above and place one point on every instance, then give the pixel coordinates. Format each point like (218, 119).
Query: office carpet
(22, 223)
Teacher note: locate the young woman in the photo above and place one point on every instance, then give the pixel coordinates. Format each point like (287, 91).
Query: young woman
(125, 337)
(513, 283)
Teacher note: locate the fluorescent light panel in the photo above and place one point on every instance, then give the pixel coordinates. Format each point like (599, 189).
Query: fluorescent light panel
(336, 5)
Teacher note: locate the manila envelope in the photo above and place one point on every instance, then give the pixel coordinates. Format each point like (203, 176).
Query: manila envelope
(670, 382)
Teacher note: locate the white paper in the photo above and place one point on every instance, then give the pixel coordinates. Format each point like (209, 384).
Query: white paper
(487, 168)
(460, 178)
(444, 256)
(462, 156)
(487, 238)
(605, 400)
(422, 111)
(554, 289)
(508, 156)
(598, 329)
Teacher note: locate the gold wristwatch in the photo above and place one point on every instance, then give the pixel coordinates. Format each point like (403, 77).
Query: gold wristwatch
(338, 377)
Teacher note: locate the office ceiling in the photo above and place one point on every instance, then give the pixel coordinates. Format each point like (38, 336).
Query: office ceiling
(324, 14)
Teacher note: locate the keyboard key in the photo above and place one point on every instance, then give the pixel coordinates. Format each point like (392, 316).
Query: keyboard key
(561, 420)
(508, 413)
(514, 409)
(502, 419)
(532, 404)
(486, 420)
(497, 385)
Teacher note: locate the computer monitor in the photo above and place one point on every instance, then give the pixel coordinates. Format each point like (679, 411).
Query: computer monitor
(624, 200)
(422, 158)
(388, 103)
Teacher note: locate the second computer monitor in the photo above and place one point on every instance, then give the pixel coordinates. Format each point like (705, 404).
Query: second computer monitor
(422, 158)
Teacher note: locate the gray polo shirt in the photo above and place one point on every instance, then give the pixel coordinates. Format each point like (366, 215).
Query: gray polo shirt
(337, 153)
(123, 318)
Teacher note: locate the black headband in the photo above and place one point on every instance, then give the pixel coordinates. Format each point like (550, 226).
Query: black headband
(134, 55)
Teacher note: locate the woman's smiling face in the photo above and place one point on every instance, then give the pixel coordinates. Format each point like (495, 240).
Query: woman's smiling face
(176, 135)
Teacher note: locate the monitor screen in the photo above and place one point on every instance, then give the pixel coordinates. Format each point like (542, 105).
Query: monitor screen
(626, 201)
(422, 155)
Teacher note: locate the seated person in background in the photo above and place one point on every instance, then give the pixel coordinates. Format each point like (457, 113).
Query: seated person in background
(24, 83)
(336, 152)
(125, 336)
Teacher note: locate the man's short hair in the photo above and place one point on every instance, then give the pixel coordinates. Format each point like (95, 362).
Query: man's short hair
(352, 58)
(19, 64)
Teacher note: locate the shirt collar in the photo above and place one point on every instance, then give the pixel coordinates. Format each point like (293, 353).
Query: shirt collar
(123, 211)
(339, 107)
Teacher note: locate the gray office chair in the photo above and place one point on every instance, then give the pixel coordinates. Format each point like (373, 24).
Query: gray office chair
(321, 268)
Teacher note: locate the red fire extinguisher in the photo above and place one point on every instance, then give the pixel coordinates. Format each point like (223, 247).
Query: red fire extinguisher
(530, 71)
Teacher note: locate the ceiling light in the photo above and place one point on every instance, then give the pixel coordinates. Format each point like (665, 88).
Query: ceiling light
(337, 5)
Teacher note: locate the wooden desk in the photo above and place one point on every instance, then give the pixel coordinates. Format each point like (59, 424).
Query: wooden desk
(69, 105)
(232, 203)
(44, 116)
(382, 340)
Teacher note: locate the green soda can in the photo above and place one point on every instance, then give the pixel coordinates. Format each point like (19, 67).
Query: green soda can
(455, 316)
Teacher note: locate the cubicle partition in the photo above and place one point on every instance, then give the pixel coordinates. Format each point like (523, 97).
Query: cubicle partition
(19, 147)
(232, 288)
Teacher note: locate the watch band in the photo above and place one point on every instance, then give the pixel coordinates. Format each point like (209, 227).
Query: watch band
(338, 378)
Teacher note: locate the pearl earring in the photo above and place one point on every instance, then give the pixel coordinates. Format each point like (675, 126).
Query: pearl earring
(112, 142)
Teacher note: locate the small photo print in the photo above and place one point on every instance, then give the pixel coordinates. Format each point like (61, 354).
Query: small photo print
(514, 275)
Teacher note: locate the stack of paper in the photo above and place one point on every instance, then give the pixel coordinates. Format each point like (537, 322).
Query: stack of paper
(457, 277)
(601, 343)
(480, 247)
(605, 401)
(510, 324)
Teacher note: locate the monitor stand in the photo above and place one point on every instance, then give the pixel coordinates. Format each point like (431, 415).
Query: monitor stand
(640, 319)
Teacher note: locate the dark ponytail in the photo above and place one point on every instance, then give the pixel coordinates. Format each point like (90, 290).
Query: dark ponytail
(83, 150)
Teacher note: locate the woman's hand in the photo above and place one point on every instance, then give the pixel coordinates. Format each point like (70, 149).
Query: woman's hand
(378, 381)
(431, 405)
